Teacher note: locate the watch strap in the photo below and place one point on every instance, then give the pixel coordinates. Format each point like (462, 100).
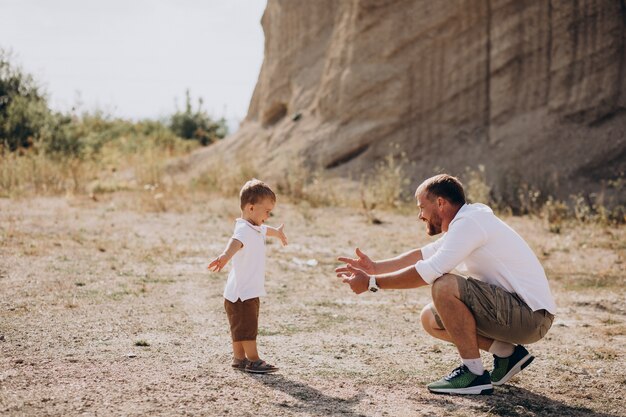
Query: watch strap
(373, 286)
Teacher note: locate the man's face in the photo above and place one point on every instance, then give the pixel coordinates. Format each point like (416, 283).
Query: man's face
(429, 213)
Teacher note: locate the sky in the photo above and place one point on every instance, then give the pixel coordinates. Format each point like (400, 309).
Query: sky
(136, 58)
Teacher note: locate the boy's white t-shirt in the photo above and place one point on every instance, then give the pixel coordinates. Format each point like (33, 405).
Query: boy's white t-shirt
(247, 276)
(480, 245)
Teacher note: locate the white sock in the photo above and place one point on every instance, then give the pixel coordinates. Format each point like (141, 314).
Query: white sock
(501, 349)
(474, 365)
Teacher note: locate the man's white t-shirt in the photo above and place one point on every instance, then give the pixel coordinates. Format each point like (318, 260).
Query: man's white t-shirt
(247, 276)
(480, 245)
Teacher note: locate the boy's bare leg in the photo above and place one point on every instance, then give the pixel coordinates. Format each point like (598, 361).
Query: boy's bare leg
(430, 325)
(249, 346)
(238, 351)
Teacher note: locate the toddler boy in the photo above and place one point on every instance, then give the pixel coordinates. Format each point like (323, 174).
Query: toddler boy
(246, 280)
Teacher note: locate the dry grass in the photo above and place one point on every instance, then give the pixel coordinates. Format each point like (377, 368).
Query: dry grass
(139, 163)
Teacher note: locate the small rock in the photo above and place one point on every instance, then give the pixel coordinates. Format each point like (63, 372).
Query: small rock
(1, 338)
(131, 355)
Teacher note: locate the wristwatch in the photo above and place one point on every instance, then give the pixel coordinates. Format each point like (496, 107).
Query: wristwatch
(373, 287)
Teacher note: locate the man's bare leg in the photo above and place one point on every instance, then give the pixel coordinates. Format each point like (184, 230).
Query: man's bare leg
(432, 328)
(456, 317)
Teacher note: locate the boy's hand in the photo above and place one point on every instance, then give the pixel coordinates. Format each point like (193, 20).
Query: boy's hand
(281, 234)
(218, 263)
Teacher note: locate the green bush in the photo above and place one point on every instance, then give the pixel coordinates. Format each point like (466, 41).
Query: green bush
(62, 138)
(197, 125)
(23, 107)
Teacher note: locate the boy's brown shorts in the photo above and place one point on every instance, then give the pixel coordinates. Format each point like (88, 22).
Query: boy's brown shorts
(499, 314)
(243, 317)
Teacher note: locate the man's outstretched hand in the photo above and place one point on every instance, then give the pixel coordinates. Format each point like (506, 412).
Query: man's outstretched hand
(357, 279)
(362, 262)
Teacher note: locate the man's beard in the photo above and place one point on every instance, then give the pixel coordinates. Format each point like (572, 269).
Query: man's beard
(433, 226)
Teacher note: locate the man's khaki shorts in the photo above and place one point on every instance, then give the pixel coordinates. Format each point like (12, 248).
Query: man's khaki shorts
(243, 317)
(499, 314)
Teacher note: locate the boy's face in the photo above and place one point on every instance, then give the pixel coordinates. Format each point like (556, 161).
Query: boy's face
(258, 213)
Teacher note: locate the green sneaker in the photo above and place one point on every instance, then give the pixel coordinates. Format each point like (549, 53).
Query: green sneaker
(505, 368)
(462, 381)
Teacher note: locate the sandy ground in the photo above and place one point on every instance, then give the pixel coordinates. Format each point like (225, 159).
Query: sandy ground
(84, 282)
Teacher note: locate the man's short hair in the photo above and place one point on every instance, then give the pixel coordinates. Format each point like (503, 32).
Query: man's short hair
(444, 186)
(254, 191)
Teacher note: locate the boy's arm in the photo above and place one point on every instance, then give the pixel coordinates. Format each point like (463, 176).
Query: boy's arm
(277, 232)
(220, 262)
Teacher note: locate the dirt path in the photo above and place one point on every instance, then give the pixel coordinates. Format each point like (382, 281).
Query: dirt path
(83, 282)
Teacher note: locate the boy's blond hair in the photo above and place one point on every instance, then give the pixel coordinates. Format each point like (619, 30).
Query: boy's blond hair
(254, 191)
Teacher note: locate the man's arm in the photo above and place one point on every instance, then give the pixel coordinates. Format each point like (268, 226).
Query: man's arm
(403, 261)
(364, 263)
(405, 278)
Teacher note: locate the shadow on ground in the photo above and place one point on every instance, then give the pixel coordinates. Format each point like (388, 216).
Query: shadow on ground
(310, 400)
(515, 401)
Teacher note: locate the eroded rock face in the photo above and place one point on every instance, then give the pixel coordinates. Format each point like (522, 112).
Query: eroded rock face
(534, 90)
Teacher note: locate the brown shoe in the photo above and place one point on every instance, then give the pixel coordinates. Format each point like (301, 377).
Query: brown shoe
(240, 364)
(260, 367)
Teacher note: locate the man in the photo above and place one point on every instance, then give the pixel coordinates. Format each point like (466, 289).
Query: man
(499, 300)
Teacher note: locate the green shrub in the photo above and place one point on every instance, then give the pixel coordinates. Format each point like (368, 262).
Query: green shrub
(23, 107)
(197, 125)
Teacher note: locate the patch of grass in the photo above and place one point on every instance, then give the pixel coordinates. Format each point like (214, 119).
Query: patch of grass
(609, 321)
(121, 294)
(592, 281)
(283, 330)
(615, 331)
(605, 353)
(142, 343)
(156, 280)
(325, 319)
(328, 304)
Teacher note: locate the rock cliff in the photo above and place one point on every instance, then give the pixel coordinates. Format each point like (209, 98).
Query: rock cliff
(533, 90)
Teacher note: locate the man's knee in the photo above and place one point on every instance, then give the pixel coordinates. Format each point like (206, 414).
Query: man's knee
(445, 286)
(428, 319)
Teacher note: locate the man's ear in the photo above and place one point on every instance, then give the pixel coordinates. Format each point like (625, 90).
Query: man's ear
(441, 202)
